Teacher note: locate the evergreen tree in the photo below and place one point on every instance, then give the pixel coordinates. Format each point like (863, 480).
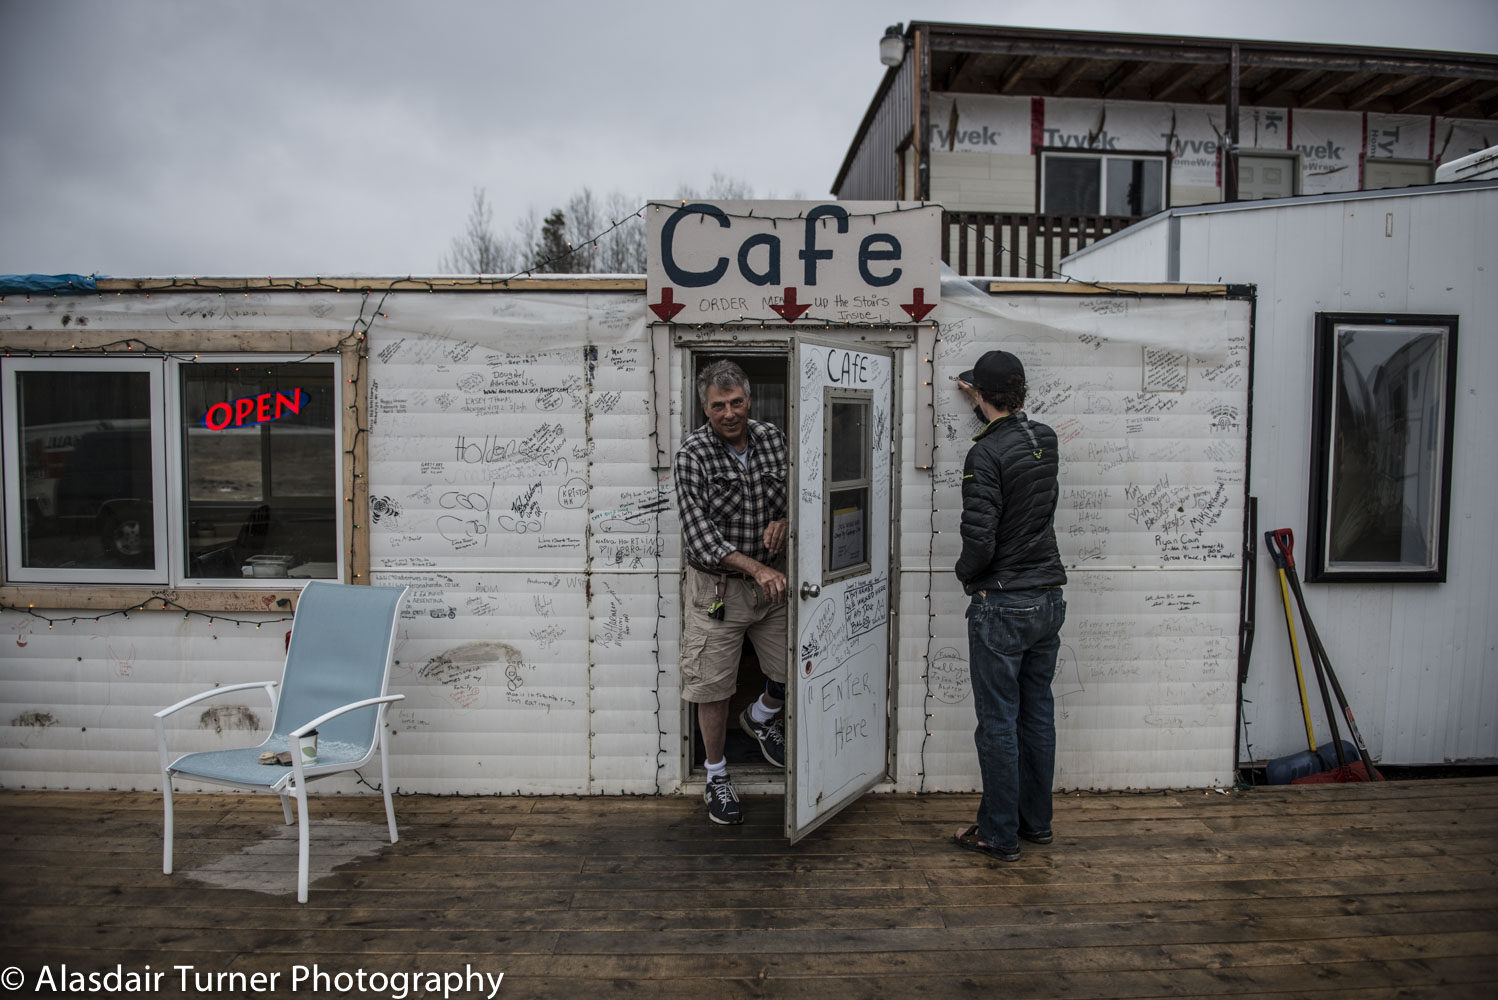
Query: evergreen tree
(552, 249)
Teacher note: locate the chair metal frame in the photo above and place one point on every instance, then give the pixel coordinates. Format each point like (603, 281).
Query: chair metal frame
(289, 783)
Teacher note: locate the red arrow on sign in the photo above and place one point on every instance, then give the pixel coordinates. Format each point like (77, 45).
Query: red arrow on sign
(789, 310)
(667, 306)
(920, 307)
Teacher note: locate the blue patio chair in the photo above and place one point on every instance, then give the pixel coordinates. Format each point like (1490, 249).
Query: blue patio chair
(337, 669)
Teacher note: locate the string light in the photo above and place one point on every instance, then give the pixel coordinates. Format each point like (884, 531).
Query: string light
(167, 604)
(930, 617)
(358, 335)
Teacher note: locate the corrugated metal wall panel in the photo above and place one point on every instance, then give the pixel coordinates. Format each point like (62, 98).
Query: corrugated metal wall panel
(77, 700)
(1153, 445)
(873, 174)
(494, 670)
(635, 699)
(1415, 659)
(562, 482)
(544, 660)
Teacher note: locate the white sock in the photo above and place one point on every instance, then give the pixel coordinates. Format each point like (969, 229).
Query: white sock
(760, 712)
(718, 770)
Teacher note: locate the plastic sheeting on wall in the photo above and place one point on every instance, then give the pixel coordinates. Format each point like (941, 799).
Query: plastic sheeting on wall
(511, 488)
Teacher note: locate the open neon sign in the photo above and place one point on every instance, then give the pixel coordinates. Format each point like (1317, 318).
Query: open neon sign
(252, 410)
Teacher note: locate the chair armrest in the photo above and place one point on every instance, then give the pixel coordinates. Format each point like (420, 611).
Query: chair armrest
(270, 690)
(303, 730)
(161, 751)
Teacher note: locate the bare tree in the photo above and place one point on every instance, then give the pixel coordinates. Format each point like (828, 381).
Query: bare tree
(587, 236)
(583, 231)
(623, 250)
(527, 231)
(720, 187)
(477, 251)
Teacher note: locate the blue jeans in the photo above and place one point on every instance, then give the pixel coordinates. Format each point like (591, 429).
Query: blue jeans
(1013, 639)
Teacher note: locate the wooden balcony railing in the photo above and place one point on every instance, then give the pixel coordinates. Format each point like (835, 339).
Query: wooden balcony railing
(1019, 244)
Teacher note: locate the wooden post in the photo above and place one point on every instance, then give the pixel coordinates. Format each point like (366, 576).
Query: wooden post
(355, 554)
(1230, 155)
(923, 90)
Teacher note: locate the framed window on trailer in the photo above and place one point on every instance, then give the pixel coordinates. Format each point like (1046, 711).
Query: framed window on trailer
(1384, 400)
(177, 471)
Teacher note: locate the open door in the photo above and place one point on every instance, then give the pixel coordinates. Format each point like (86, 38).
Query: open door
(837, 704)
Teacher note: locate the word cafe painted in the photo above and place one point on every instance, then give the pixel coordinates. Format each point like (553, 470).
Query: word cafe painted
(838, 262)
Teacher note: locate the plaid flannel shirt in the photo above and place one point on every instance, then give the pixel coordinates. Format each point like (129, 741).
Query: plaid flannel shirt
(725, 508)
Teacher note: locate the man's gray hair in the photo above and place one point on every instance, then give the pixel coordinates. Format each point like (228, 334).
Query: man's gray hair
(723, 375)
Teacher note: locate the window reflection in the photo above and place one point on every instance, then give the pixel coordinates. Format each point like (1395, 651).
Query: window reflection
(260, 468)
(1386, 431)
(85, 469)
(847, 444)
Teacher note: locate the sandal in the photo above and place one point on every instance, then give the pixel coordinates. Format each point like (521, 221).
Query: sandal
(969, 840)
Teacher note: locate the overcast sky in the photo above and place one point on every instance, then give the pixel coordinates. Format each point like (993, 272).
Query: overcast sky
(343, 137)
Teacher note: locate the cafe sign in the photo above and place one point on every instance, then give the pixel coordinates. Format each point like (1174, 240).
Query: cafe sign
(778, 263)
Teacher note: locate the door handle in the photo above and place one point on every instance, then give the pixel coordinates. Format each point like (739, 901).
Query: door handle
(810, 590)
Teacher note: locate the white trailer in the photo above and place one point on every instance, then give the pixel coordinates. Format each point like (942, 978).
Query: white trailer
(1414, 650)
(508, 451)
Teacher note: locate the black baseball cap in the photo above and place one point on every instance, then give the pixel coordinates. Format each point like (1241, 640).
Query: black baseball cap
(994, 372)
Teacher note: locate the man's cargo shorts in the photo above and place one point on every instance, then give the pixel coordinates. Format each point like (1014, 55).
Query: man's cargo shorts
(710, 649)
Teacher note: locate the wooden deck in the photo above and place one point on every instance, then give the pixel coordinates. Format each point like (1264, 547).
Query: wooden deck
(1328, 891)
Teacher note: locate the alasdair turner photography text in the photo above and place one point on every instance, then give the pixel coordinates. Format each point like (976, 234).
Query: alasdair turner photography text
(120, 981)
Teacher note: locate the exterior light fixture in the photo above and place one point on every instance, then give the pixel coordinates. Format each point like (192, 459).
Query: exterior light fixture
(892, 45)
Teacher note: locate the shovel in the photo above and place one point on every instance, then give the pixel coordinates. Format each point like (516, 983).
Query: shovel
(1360, 769)
(1284, 770)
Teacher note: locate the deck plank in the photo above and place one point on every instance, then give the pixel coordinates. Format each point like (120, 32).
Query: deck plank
(1369, 891)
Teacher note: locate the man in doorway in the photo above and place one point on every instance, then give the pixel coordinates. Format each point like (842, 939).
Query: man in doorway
(1011, 567)
(731, 490)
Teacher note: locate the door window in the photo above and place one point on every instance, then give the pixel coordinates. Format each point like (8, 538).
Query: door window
(846, 484)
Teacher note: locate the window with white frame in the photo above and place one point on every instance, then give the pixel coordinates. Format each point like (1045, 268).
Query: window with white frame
(200, 472)
(1102, 184)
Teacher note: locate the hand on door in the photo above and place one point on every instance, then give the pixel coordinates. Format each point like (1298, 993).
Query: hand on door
(775, 535)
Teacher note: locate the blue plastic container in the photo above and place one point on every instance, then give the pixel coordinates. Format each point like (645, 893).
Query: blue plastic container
(1283, 770)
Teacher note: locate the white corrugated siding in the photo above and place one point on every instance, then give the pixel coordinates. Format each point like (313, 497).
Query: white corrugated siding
(522, 508)
(77, 700)
(1149, 524)
(510, 446)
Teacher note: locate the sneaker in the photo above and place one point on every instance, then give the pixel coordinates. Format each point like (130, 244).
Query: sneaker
(771, 737)
(722, 801)
(1043, 837)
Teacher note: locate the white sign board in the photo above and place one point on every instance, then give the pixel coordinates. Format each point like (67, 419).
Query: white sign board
(848, 263)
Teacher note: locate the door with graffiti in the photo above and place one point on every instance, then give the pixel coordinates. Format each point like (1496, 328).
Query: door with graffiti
(842, 424)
